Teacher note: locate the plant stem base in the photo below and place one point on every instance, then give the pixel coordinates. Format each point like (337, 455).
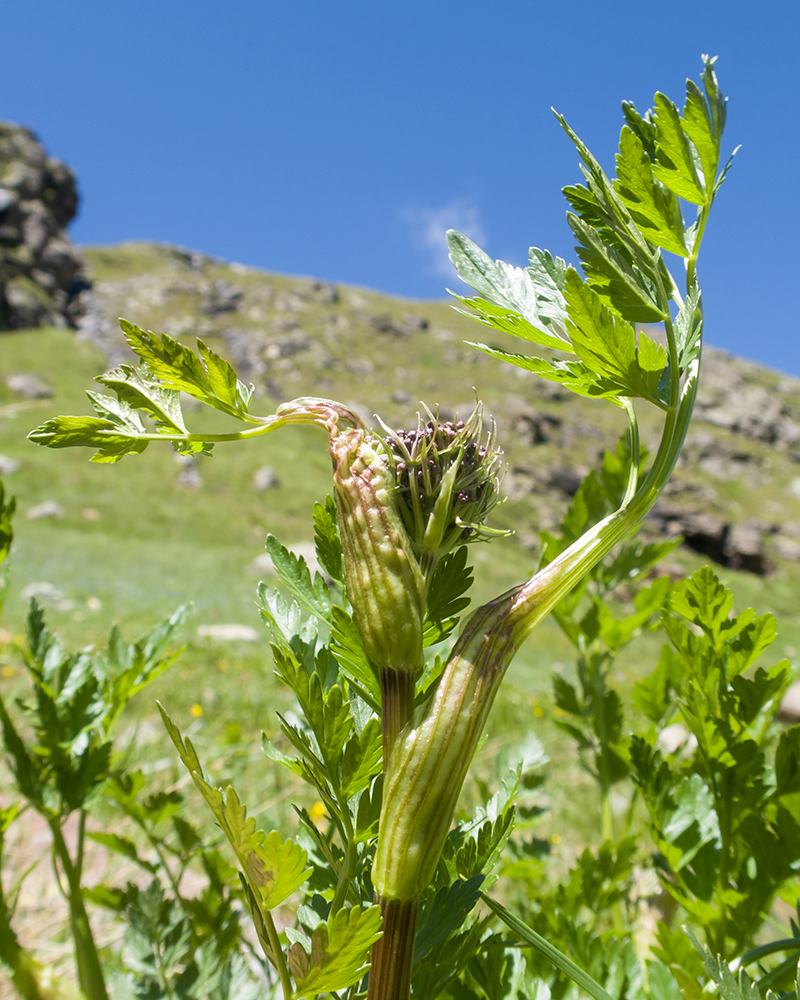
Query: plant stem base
(393, 955)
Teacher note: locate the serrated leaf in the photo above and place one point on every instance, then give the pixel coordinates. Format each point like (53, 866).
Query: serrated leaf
(348, 649)
(573, 375)
(688, 327)
(502, 318)
(699, 127)
(532, 293)
(606, 344)
(339, 952)
(205, 375)
(121, 845)
(627, 289)
(675, 164)
(114, 438)
(273, 868)
(361, 759)
(327, 541)
(451, 579)
(142, 391)
(731, 986)
(312, 595)
(478, 855)
(443, 914)
(653, 208)
(642, 126)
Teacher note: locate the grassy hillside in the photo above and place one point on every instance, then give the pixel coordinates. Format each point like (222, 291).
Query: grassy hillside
(135, 540)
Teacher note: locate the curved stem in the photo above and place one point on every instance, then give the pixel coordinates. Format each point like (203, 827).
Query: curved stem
(633, 473)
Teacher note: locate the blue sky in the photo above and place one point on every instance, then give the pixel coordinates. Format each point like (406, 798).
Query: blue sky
(341, 139)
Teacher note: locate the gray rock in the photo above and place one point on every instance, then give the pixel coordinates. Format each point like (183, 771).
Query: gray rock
(223, 298)
(46, 509)
(790, 706)
(29, 386)
(228, 633)
(414, 323)
(38, 264)
(190, 478)
(534, 427)
(8, 466)
(388, 326)
(739, 546)
(321, 292)
(265, 478)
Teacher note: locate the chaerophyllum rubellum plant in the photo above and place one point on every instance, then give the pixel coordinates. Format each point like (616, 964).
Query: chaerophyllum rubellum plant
(404, 504)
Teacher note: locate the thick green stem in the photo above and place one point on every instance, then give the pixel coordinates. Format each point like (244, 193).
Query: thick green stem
(90, 971)
(393, 955)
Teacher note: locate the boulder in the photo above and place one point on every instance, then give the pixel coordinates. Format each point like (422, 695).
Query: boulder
(29, 386)
(40, 269)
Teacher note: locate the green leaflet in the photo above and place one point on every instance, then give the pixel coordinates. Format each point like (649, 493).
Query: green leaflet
(730, 985)
(607, 345)
(327, 540)
(688, 328)
(573, 375)
(444, 912)
(312, 595)
(613, 273)
(115, 433)
(533, 294)
(653, 208)
(141, 391)
(273, 868)
(361, 759)
(339, 954)
(451, 580)
(502, 318)
(205, 375)
(675, 163)
(348, 649)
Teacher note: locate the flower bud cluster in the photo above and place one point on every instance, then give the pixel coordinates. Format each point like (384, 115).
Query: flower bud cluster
(447, 482)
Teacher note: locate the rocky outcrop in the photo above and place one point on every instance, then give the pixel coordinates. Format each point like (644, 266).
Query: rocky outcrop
(40, 269)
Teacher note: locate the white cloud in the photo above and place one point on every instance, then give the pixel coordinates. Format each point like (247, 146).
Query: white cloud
(428, 227)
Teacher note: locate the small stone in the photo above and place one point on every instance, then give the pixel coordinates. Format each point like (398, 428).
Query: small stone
(94, 603)
(223, 297)
(90, 514)
(29, 386)
(43, 590)
(228, 633)
(190, 478)
(790, 706)
(8, 465)
(414, 323)
(265, 478)
(48, 508)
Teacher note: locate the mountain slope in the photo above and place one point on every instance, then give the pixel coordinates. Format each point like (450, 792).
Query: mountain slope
(135, 539)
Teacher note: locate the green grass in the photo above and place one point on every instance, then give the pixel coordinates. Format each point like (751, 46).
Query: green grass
(152, 543)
